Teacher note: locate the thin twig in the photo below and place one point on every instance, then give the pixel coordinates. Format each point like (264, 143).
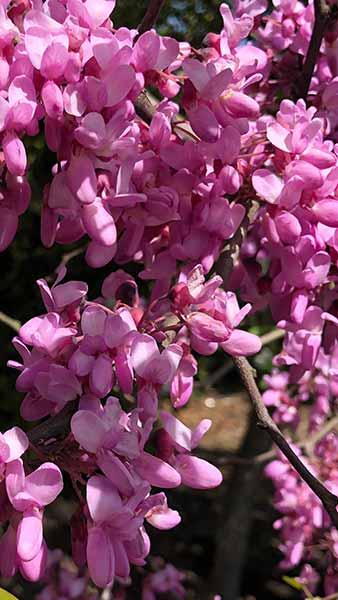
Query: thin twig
(151, 16)
(272, 336)
(323, 18)
(329, 500)
(307, 444)
(310, 442)
(70, 255)
(10, 322)
(146, 105)
(228, 365)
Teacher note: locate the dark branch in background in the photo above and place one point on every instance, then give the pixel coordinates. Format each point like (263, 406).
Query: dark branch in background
(231, 251)
(54, 428)
(329, 500)
(145, 106)
(151, 16)
(324, 17)
(235, 520)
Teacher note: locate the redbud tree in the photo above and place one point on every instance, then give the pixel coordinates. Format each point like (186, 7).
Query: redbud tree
(206, 180)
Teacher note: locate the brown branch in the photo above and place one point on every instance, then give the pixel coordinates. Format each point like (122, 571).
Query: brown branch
(306, 444)
(56, 427)
(329, 500)
(231, 251)
(323, 18)
(146, 105)
(236, 515)
(151, 16)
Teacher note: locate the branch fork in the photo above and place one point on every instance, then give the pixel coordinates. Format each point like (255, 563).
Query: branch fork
(328, 500)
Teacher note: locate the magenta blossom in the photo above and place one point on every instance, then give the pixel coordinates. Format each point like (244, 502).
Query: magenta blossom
(23, 545)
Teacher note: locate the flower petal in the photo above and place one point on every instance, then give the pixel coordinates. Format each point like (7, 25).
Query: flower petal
(88, 430)
(197, 473)
(29, 536)
(156, 471)
(17, 442)
(102, 498)
(100, 557)
(44, 484)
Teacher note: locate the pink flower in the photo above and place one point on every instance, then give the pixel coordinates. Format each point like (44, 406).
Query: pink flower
(195, 472)
(239, 343)
(15, 154)
(182, 383)
(154, 367)
(166, 580)
(116, 536)
(63, 296)
(207, 82)
(121, 285)
(302, 342)
(13, 443)
(82, 179)
(117, 440)
(47, 333)
(23, 541)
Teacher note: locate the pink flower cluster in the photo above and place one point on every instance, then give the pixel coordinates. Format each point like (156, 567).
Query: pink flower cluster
(166, 192)
(164, 581)
(307, 537)
(288, 259)
(82, 351)
(22, 501)
(64, 580)
(285, 35)
(151, 193)
(288, 26)
(288, 263)
(319, 386)
(84, 348)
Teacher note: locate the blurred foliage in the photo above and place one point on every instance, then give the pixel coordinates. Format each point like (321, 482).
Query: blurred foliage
(186, 20)
(6, 596)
